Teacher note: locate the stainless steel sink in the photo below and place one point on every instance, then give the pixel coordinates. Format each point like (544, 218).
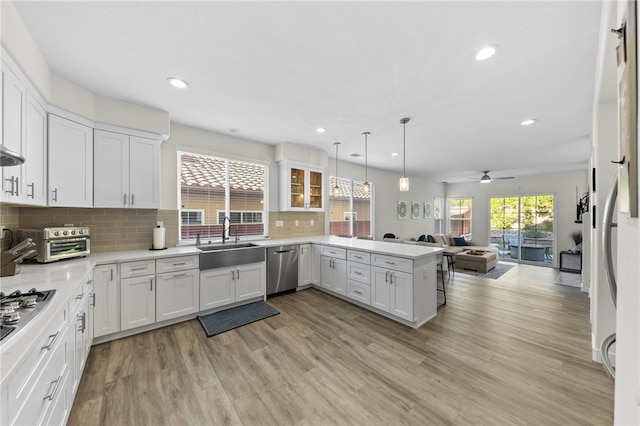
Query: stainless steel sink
(224, 255)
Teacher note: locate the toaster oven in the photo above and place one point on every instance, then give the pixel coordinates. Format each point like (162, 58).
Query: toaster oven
(57, 243)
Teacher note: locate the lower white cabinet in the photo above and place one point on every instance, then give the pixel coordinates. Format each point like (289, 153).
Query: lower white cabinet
(177, 294)
(305, 257)
(392, 292)
(316, 265)
(106, 299)
(137, 301)
(223, 286)
(334, 275)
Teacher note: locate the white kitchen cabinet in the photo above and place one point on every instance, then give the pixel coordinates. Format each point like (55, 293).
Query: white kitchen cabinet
(126, 171)
(316, 265)
(81, 331)
(106, 289)
(392, 292)
(334, 275)
(28, 396)
(301, 187)
(177, 294)
(70, 163)
(223, 286)
(305, 257)
(250, 281)
(217, 288)
(137, 294)
(35, 152)
(14, 100)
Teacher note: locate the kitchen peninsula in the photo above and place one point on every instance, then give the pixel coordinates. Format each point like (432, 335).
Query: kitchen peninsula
(394, 280)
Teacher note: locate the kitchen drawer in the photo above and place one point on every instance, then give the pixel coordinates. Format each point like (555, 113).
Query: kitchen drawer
(49, 382)
(180, 263)
(359, 272)
(137, 269)
(35, 362)
(358, 291)
(76, 298)
(391, 262)
(338, 253)
(359, 256)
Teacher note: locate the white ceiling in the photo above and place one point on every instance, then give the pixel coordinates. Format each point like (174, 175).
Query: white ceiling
(276, 71)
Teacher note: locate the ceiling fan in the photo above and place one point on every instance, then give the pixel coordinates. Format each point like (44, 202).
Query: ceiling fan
(486, 178)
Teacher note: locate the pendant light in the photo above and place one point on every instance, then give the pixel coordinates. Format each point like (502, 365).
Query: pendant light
(336, 189)
(366, 186)
(404, 180)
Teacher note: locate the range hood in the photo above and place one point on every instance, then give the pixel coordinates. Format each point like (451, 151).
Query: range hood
(9, 158)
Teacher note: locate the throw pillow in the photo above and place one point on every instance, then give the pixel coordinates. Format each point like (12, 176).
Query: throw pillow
(430, 239)
(460, 241)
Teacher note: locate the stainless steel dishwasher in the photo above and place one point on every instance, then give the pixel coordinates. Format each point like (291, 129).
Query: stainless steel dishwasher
(282, 269)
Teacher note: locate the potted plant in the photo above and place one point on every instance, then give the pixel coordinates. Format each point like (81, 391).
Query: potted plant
(576, 236)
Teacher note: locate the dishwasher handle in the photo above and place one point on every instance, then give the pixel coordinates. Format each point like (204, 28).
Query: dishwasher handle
(283, 251)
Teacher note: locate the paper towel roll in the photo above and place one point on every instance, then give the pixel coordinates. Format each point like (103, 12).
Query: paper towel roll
(158, 238)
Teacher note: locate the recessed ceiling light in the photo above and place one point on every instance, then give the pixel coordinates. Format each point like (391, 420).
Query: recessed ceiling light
(356, 155)
(394, 154)
(234, 130)
(486, 53)
(321, 130)
(177, 82)
(528, 122)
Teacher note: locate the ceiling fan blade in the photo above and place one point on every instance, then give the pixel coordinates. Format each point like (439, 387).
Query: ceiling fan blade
(505, 177)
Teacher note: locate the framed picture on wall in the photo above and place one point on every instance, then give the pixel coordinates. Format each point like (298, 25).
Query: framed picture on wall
(415, 210)
(402, 209)
(427, 210)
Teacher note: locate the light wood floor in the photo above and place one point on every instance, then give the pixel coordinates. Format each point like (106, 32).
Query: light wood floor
(508, 351)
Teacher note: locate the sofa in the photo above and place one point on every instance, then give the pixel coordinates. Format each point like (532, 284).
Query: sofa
(456, 245)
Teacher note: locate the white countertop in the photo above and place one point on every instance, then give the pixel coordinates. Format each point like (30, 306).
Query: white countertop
(65, 276)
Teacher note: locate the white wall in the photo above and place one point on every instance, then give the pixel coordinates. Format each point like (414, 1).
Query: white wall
(205, 142)
(562, 185)
(627, 391)
(387, 194)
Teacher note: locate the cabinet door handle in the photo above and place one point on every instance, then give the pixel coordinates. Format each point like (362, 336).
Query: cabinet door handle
(93, 300)
(55, 389)
(238, 273)
(389, 263)
(180, 264)
(17, 187)
(179, 275)
(357, 257)
(10, 192)
(132, 199)
(357, 292)
(233, 275)
(124, 199)
(386, 277)
(55, 195)
(391, 275)
(111, 274)
(84, 322)
(33, 190)
(79, 296)
(151, 283)
(301, 250)
(138, 269)
(357, 272)
(50, 345)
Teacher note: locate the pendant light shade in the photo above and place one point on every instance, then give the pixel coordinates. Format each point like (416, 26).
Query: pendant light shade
(366, 186)
(336, 189)
(404, 180)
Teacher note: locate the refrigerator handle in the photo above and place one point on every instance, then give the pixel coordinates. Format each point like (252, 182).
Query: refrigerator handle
(607, 224)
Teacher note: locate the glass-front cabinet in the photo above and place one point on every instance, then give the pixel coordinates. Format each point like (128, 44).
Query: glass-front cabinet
(301, 187)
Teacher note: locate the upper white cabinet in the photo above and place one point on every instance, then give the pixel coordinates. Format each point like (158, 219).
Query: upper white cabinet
(24, 131)
(126, 171)
(70, 163)
(301, 187)
(35, 153)
(14, 99)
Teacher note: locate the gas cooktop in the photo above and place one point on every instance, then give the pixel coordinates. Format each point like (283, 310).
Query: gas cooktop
(17, 309)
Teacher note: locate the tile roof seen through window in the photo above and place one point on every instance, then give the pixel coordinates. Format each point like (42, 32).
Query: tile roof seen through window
(204, 171)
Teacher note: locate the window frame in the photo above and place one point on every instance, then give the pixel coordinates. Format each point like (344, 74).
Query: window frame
(467, 236)
(189, 150)
(353, 183)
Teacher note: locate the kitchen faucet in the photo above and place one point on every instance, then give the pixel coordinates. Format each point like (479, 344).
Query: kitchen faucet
(225, 220)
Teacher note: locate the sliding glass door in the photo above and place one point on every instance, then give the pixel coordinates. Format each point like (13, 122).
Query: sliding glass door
(522, 227)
